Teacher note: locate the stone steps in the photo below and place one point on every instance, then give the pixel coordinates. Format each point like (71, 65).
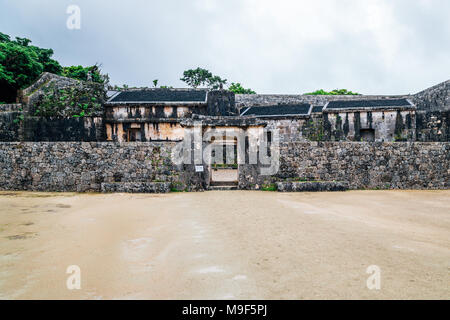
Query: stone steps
(224, 183)
(223, 188)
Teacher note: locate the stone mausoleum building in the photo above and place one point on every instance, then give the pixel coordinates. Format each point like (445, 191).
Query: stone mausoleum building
(359, 140)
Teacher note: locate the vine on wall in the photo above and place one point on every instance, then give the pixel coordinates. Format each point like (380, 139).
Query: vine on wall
(79, 101)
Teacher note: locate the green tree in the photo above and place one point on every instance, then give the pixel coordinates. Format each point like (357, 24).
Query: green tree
(239, 89)
(343, 92)
(216, 82)
(196, 77)
(202, 77)
(4, 37)
(19, 67)
(92, 73)
(21, 64)
(48, 63)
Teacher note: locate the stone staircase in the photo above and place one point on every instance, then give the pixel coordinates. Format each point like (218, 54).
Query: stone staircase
(223, 185)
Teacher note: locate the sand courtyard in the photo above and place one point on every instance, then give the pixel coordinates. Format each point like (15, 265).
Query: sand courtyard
(225, 245)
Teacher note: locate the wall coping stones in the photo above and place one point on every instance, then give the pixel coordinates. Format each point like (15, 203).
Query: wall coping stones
(11, 107)
(136, 187)
(311, 186)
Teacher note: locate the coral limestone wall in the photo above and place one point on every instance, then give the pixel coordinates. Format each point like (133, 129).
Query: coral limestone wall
(96, 166)
(81, 166)
(406, 165)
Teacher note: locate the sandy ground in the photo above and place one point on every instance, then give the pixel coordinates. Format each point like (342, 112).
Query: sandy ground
(226, 245)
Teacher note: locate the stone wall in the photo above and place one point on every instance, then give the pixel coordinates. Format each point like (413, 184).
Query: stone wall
(387, 125)
(296, 129)
(221, 103)
(9, 126)
(402, 165)
(85, 129)
(81, 166)
(433, 125)
(15, 126)
(10, 120)
(434, 98)
(51, 85)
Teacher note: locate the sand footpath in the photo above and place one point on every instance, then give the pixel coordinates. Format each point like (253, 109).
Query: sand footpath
(225, 245)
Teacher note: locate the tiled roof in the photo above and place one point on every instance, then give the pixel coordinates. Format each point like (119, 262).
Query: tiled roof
(349, 104)
(317, 109)
(160, 95)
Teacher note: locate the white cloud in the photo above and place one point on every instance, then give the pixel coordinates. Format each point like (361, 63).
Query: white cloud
(372, 46)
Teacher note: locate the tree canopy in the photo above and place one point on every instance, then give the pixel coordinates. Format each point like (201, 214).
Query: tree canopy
(92, 73)
(239, 89)
(343, 92)
(21, 64)
(202, 77)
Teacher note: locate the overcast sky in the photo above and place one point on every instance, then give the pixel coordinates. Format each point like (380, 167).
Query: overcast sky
(271, 46)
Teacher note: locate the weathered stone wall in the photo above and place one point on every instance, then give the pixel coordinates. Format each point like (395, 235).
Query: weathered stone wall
(159, 130)
(433, 125)
(27, 121)
(85, 129)
(15, 126)
(434, 98)
(387, 125)
(221, 103)
(402, 165)
(82, 166)
(9, 126)
(150, 112)
(51, 85)
(10, 120)
(295, 129)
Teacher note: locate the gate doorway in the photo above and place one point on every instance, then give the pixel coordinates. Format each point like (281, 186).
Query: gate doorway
(224, 165)
(134, 134)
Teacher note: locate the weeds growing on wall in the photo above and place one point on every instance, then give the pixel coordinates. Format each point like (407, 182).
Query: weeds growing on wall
(19, 119)
(74, 102)
(314, 130)
(269, 187)
(341, 92)
(237, 88)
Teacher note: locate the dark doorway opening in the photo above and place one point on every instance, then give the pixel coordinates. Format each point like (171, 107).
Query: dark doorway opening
(224, 168)
(134, 134)
(367, 135)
